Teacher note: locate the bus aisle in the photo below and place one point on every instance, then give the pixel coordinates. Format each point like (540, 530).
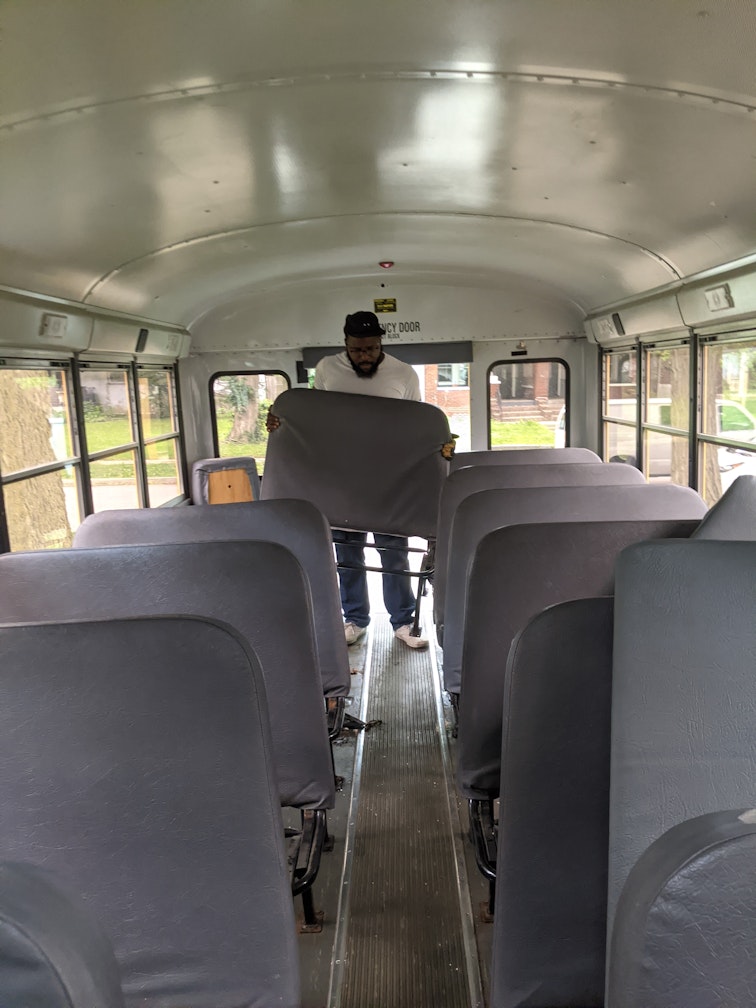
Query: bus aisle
(399, 928)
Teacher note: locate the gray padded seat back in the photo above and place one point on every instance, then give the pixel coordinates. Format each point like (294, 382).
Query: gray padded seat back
(684, 703)
(136, 765)
(295, 524)
(257, 587)
(464, 482)
(685, 931)
(53, 953)
(550, 921)
(734, 514)
(366, 462)
(522, 456)
(481, 513)
(552, 562)
(203, 468)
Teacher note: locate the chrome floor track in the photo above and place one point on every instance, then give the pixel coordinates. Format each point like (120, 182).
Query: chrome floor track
(407, 945)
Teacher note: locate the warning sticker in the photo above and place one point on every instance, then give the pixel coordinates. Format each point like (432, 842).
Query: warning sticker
(384, 305)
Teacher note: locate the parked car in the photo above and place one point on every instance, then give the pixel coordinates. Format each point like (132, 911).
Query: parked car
(734, 422)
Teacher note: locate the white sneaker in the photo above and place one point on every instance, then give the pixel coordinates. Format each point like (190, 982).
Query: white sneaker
(352, 632)
(404, 634)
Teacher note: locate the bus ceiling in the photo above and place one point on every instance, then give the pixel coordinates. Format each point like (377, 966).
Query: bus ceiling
(239, 167)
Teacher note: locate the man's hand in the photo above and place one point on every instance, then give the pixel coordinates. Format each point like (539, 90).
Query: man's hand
(272, 422)
(447, 450)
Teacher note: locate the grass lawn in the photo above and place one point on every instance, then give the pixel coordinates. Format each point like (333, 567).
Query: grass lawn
(112, 432)
(103, 434)
(229, 449)
(521, 434)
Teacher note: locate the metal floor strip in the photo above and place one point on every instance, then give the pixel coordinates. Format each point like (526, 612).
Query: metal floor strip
(406, 946)
(474, 980)
(336, 981)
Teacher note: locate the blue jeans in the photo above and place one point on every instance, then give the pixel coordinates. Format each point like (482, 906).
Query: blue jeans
(397, 590)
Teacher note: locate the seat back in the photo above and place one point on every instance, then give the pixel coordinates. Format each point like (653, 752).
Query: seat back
(547, 951)
(53, 954)
(257, 587)
(366, 462)
(225, 480)
(555, 562)
(295, 524)
(684, 703)
(463, 482)
(483, 512)
(685, 929)
(136, 765)
(734, 514)
(522, 456)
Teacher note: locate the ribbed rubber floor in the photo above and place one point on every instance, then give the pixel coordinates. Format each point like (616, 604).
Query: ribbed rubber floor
(405, 946)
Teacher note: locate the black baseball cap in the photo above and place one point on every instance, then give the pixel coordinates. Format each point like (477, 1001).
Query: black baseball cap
(363, 323)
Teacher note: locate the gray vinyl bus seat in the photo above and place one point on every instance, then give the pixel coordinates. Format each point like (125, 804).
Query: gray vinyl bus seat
(685, 930)
(488, 510)
(295, 524)
(225, 480)
(53, 953)
(368, 463)
(137, 766)
(257, 587)
(734, 514)
(554, 810)
(684, 694)
(555, 562)
(463, 482)
(522, 456)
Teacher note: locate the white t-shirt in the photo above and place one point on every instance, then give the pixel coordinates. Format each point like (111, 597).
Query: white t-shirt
(393, 380)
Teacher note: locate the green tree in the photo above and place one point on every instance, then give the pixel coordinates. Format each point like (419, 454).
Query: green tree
(243, 399)
(36, 509)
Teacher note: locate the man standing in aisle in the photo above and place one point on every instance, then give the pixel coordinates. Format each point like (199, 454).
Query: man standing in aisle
(364, 368)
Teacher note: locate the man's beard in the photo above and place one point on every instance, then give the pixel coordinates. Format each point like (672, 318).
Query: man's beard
(373, 367)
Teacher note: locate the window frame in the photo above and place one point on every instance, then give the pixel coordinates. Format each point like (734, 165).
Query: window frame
(82, 458)
(452, 383)
(267, 372)
(519, 361)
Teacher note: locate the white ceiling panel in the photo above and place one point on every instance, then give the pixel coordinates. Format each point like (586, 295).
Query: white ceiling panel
(450, 249)
(171, 157)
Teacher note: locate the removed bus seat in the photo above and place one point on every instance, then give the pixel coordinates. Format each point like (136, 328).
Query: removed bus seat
(488, 510)
(370, 464)
(473, 479)
(549, 934)
(522, 456)
(295, 524)
(683, 703)
(734, 514)
(136, 765)
(685, 928)
(225, 480)
(53, 953)
(258, 588)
